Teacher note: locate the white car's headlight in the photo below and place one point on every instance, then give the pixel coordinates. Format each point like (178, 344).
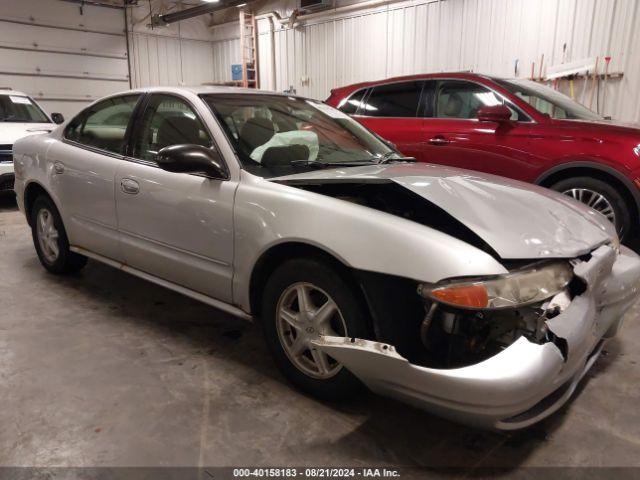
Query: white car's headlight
(505, 291)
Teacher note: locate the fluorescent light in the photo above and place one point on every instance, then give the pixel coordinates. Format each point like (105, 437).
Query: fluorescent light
(241, 5)
(211, 1)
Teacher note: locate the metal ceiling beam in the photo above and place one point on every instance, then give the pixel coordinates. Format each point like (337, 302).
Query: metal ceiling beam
(97, 3)
(162, 20)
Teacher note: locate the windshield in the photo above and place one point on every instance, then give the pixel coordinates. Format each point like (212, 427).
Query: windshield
(548, 101)
(276, 135)
(21, 109)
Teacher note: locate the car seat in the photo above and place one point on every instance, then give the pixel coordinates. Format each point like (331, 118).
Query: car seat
(453, 107)
(255, 132)
(178, 130)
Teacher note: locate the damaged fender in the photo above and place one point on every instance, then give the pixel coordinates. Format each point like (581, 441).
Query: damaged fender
(526, 381)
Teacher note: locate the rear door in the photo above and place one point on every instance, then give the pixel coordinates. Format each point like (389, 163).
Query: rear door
(453, 135)
(175, 226)
(83, 171)
(392, 111)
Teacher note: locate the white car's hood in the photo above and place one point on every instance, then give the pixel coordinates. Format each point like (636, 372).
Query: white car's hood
(10, 131)
(518, 220)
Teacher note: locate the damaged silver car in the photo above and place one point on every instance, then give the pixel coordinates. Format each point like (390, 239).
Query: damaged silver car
(478, 298)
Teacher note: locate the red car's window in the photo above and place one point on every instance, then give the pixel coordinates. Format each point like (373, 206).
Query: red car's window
(351, 104)
(458, 99)
(393, 100)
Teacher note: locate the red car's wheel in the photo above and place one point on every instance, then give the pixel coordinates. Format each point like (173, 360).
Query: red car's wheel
(600, 196)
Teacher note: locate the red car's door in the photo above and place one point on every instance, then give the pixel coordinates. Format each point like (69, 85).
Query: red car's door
(391, 111)
(454, 136)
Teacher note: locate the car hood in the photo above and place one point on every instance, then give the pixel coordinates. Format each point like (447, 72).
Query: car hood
(10, 131)
(518, 220)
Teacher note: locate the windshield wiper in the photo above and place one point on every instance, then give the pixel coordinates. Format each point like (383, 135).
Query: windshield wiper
(309, 163)
(318, 163)
(389, 157)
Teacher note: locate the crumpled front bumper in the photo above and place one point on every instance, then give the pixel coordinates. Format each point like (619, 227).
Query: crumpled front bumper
(525, 382)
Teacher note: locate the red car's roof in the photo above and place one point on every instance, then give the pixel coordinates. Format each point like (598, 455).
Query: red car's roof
(419, 76)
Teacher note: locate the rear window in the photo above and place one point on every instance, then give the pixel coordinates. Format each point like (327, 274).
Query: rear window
(103, 125)
(351, 104)
(393, 100)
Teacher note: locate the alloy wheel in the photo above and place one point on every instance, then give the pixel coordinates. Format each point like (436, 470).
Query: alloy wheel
(47, 235)
(305, 313)
(594, 200)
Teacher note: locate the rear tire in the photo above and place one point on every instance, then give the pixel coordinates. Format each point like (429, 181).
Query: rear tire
(50, 239)
(602, 197)
(334, 310)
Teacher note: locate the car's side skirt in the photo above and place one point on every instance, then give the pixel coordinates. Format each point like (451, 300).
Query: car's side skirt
(225, 307)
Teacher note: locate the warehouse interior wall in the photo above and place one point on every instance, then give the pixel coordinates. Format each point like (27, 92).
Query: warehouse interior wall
(380, 39)
(179, 54)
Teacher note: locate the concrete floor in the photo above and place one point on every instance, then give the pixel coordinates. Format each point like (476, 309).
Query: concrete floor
(104, 369)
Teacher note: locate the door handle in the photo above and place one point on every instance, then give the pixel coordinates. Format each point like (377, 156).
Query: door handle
(438, 140)
(129, 186)
(58, 167)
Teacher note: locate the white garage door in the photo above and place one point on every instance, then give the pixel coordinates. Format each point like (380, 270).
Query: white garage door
(63, 55)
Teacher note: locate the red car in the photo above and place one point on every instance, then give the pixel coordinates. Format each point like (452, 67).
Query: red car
(515, 128)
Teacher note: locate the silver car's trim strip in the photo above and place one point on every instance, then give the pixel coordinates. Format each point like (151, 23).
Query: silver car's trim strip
(171, 247)
(89, 148)
(225, 307)
(82, 218)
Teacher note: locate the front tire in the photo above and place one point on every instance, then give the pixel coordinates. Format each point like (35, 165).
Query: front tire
(602, 197)
(50, 239)
(303, 299)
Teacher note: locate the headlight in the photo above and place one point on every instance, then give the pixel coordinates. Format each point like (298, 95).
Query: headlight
(504, 291)
(636, 150)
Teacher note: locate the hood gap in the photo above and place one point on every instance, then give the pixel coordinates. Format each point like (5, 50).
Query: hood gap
(392, 198)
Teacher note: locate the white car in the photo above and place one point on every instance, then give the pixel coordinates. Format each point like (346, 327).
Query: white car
(20, 116)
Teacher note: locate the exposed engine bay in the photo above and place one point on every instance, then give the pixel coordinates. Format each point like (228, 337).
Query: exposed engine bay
(435, 335)
(387, 196)
(429, 333)
(453, 339)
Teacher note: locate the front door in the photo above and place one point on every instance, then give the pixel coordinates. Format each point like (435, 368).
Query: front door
(454, 136)
(175, 226)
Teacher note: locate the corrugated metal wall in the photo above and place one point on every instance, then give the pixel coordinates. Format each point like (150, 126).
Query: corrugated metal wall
(63, 58)
(163, 60)
(486, 36)
(181, 54)
(226, 50)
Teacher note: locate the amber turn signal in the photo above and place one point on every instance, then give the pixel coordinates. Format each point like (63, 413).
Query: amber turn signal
(474, 296)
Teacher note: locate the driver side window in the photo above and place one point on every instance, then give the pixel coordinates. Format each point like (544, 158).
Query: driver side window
(167, 121)
(462, 100)
(543, 105)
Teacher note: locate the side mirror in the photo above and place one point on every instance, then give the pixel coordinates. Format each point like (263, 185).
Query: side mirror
(495, 113)
(192, 159)
(57, 118)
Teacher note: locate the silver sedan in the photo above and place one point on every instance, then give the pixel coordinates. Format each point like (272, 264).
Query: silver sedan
(478, 298)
